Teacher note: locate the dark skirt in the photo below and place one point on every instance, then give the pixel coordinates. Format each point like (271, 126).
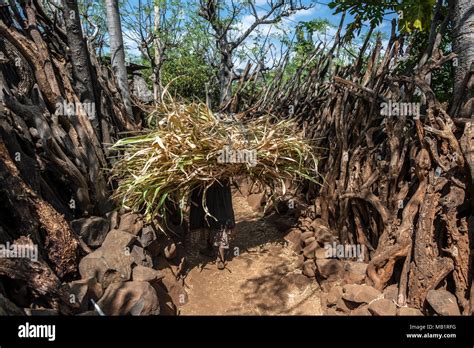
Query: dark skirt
(219, 205)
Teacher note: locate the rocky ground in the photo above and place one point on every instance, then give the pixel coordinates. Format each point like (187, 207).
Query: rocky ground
(282, 268)
(278, 266)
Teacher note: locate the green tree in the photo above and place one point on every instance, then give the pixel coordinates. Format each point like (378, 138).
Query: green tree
(414, 20)
(413, 14)
(222, 17)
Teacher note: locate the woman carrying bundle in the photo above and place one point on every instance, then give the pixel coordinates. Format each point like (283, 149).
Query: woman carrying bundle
(218, 227)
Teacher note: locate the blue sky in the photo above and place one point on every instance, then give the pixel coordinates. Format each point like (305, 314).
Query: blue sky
(320, 10)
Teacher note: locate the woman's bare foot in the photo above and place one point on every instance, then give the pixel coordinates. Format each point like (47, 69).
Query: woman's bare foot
(220, 265)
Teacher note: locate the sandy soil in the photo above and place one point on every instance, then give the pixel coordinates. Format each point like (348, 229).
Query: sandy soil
(259, 279)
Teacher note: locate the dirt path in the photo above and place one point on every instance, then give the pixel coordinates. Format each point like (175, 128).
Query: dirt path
(260, 280)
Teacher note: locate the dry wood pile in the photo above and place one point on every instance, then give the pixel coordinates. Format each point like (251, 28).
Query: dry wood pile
(61, 110)
(398, 185)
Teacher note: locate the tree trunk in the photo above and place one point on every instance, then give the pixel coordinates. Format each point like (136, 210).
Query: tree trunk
(79, 58)
(463, 41)
(463, 46)
(117, 53)
(157, 90)
(225, 75)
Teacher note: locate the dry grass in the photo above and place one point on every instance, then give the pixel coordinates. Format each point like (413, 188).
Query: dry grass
(183, 148)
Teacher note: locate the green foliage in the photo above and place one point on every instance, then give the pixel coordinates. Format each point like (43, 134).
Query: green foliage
(305, 44)
(304, 35)
(187, 73)
(414, 21)
(93, 13)
(442, 80)
(185, 43)
(412, 14)
(187, 67)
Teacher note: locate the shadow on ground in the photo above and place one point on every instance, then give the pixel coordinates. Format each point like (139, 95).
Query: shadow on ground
(260, 276)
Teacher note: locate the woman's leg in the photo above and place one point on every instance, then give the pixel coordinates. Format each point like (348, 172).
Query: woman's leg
(221, 241)
(221, 258)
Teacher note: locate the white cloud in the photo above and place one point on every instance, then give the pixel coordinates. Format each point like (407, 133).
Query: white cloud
(245, 22)
(131, 46)
(305, 13)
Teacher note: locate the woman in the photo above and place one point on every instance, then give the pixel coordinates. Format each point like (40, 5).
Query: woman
(217, 227)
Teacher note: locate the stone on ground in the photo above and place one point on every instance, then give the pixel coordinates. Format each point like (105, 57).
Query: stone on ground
(118, 239)
(443, 302)
(329, 268)
(354, 272)
(146, 274)
(407, 311)
(293, 238)
(309, 268)
(383, 307)
(345, 306)
(83, 290)
(362, 310)
(334, 294)
(359, 293)
(391, 292)
(130, 298)
(141, 256)
(111, 262)
(147, 236)
(92, 230)
(129, 223)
